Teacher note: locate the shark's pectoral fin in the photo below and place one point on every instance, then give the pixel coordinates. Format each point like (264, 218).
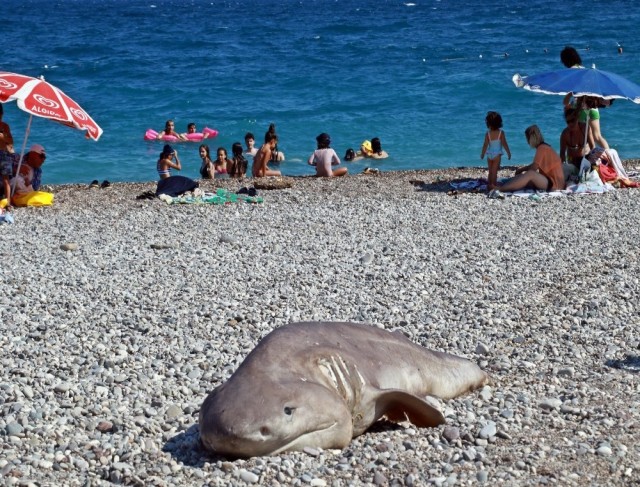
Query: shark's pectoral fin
(398, 406)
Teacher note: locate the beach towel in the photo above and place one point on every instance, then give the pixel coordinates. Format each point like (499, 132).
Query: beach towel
(175, 186)
(473, 185)
(220, 197)
(33, 198)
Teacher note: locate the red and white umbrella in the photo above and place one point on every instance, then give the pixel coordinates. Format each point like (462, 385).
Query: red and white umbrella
(37, 97)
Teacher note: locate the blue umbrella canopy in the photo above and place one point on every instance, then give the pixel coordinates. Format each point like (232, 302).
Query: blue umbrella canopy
(580, 82)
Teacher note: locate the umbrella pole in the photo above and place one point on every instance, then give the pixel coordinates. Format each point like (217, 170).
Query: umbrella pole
(24, 146)
(581, 174)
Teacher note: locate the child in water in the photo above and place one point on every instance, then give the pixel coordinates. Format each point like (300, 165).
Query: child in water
(495, 141)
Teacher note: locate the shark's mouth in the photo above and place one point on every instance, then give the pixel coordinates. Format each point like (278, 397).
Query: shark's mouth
(322, 437)
(325, 435)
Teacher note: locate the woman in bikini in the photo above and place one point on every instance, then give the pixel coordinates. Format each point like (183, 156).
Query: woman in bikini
(572, 140)
(220, 164)
(166, 162)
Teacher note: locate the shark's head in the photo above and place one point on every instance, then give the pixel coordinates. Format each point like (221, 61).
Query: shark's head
(252, 418)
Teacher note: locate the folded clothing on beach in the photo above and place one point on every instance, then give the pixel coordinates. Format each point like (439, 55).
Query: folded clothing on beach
(175, 186)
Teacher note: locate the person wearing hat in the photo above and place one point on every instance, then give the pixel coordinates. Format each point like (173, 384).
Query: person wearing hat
(28, 179)
(35, 159)
(324, 157)
(166, 162)
(365, 149)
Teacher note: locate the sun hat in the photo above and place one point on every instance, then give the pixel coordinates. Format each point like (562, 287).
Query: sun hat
(366, 145)
(38, 149)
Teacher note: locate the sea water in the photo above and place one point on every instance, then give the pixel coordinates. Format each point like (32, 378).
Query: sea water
(420, 75)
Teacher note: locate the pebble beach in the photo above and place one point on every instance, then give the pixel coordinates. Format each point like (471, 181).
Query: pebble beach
(120, 315)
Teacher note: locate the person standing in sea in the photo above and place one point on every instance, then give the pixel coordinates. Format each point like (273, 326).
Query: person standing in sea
(250, 141)
(570, 57)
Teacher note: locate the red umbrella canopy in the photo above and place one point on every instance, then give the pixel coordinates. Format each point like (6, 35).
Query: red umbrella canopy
(37, 97)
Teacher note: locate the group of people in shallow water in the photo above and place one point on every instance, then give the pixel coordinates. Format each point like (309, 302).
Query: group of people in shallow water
(324, 158)
(582, 137)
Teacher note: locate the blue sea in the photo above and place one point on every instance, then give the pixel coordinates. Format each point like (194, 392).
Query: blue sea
(419, 74)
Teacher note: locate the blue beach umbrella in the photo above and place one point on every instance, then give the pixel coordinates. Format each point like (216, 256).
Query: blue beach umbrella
(580, 82)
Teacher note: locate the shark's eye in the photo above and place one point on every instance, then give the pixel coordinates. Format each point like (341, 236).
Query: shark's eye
(288, 411)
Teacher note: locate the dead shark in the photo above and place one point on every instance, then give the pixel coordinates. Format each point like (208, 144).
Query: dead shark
(320, 384)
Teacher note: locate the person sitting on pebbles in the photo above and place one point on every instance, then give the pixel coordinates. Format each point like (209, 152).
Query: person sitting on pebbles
(166, 162)
(324, 157)
(260, 168)
(35, 159)
(544, 173)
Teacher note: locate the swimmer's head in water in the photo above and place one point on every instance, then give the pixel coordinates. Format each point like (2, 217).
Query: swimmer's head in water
(350, 155)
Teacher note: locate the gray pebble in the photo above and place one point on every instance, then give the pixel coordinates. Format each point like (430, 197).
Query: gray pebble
(229, 239)
(549, 404)
(311, 451)
(604, 450)
(488, 430)
(71, 246)
(482, 476)
(248, 477)
(451, 433)
(14, 428)
(173, 411)
(64, 387)
(367, 258)
(379, 479)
